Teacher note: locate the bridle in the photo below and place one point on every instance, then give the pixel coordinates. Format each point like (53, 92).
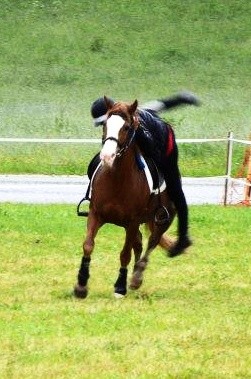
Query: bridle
(122, 146)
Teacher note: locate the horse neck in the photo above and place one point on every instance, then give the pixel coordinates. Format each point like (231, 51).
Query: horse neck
(126, 163)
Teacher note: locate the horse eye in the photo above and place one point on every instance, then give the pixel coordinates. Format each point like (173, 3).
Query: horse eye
(126, 127)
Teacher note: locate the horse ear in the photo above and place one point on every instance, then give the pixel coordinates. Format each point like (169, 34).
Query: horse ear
(108, 102)
(133, 107)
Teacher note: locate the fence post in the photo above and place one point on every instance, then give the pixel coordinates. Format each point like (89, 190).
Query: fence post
(248, 179)
(229, 165)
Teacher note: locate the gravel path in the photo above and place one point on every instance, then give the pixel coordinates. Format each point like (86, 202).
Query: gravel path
(44, 189)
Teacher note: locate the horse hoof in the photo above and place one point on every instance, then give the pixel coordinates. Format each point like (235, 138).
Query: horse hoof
(135, 283)
(80, 292)
(119, 292)
(118, 295)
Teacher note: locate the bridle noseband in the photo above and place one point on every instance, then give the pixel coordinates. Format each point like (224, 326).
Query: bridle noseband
(122, 146)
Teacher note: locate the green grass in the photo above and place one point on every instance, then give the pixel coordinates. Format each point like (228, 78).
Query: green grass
(58, 56)
(58, 159)
(207, 159)
(190, 319)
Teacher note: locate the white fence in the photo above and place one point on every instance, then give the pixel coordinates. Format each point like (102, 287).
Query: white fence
(229, 140)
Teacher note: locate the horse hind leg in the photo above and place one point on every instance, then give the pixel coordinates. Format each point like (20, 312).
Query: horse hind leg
(137, 248)
(165, 241)
(141, 265)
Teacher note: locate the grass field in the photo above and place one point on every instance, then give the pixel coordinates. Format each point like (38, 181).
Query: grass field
(190, 319)
(58, 56)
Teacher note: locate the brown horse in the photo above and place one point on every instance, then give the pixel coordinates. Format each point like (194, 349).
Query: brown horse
(120, 195)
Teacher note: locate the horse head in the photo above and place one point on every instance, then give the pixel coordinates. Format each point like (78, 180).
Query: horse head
(119, 130)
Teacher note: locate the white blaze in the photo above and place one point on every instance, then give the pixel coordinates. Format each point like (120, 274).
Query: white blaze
(108, 152)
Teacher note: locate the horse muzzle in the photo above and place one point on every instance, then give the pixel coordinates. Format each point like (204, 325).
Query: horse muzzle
(109, 151)
(107, 159)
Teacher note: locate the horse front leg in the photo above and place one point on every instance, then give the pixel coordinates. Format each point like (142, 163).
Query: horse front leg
(81, 288)
(133, 240)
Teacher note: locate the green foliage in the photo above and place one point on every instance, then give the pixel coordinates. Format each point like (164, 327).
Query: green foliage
(190, 318)
(58, 56)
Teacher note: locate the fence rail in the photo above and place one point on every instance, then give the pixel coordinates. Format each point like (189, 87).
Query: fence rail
(50, 140)
(229, 140)
(97, 140)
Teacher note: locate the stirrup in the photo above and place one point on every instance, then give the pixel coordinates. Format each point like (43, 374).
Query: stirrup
(161, 215)
(82, 213)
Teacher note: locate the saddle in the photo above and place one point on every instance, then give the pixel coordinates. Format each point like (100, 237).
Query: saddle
(154, 176)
